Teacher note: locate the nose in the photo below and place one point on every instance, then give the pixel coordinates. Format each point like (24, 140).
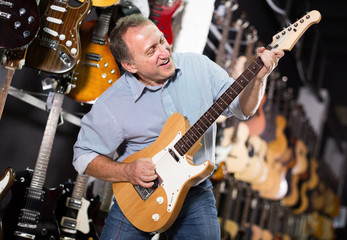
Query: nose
(163, 51)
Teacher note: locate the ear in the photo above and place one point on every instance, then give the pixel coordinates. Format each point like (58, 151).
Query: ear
(129, 67)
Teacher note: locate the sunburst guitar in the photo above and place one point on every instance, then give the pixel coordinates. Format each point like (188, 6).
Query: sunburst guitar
(156, 209)
(97, 69)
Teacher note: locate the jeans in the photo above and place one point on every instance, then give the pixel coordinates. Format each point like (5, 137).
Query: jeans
(196, 220)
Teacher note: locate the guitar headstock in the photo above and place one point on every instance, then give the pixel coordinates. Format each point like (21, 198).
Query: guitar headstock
(287, 38)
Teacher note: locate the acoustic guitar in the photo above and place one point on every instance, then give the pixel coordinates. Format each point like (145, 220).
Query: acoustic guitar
(58, 40)
(97, 69)
(155, 209)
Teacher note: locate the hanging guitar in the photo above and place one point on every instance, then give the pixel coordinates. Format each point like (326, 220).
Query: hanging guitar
(103, 3)
(56, 49)
(73, 211)
(161, 13)
(19, 23)
(97, 69)
(155, 209)
(30, 214)
(6, 182)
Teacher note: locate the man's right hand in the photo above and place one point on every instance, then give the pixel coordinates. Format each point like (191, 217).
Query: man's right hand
(141, 172)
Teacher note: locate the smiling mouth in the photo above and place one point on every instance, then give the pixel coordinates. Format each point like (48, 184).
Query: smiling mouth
(166, 62)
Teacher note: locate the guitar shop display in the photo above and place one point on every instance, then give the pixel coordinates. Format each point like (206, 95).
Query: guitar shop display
(30, 214)
(73, 211)
(155, 209)
(58, 40)
(161, 13)
(97, 69)
(20, 21)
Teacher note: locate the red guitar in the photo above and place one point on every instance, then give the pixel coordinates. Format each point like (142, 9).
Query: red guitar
(161, 13)
(19, 23)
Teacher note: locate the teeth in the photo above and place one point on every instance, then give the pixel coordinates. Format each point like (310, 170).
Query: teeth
(166, 61)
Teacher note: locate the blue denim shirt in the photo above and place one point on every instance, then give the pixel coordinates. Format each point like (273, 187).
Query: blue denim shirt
(133, 114)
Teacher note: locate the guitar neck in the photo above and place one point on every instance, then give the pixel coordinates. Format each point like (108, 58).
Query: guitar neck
(217, 108)
(80, 184)
(101, 30)
(4, 89)
(40, 170)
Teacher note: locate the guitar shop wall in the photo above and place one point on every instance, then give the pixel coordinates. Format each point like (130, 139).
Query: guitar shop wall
(197, 28)
(25, 115)
(311, 74)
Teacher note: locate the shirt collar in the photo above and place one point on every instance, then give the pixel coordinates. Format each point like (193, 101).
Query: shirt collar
(138, 88)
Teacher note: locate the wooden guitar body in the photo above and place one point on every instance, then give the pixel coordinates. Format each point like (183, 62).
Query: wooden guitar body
(56, 49)
(97, 69)
(102, 3)
(41, 224)
(159, 210)
(19, 23)
(6, 182)
(256, 124)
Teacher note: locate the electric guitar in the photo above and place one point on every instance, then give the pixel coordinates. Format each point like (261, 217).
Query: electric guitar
(19, 23)
(72, 211)
(161, 13)
(30, 214)
(103, 3)
(6, 182)
(97, 69)
(58, 40)
(155, 209)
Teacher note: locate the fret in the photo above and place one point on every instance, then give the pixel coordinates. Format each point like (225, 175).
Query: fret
(78, 190)
(39, 174)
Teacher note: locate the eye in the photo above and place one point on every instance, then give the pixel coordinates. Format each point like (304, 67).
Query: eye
(162, 40)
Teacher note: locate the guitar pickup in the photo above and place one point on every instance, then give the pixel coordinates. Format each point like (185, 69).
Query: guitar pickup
(73, 203)
(93, 57)
(5, 15)
(99, 41)
(68, 222)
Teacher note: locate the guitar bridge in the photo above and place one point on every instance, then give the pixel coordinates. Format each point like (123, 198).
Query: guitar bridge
(145, 193)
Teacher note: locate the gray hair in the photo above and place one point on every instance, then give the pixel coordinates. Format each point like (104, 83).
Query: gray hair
(118, 46)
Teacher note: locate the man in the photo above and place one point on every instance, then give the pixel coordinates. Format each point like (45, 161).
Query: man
(130, 115)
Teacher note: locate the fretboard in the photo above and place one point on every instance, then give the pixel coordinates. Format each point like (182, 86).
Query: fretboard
(40, 170)
(218, 107)
(80, 184)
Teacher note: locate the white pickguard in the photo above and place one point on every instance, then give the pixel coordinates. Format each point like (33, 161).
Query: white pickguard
(82, 220)
(174, 174)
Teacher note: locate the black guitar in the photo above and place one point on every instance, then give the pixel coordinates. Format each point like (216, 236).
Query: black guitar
(30, 213)
(73, 211)
(20, 21)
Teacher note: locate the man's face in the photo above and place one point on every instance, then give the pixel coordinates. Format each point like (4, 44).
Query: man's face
(152, 56)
